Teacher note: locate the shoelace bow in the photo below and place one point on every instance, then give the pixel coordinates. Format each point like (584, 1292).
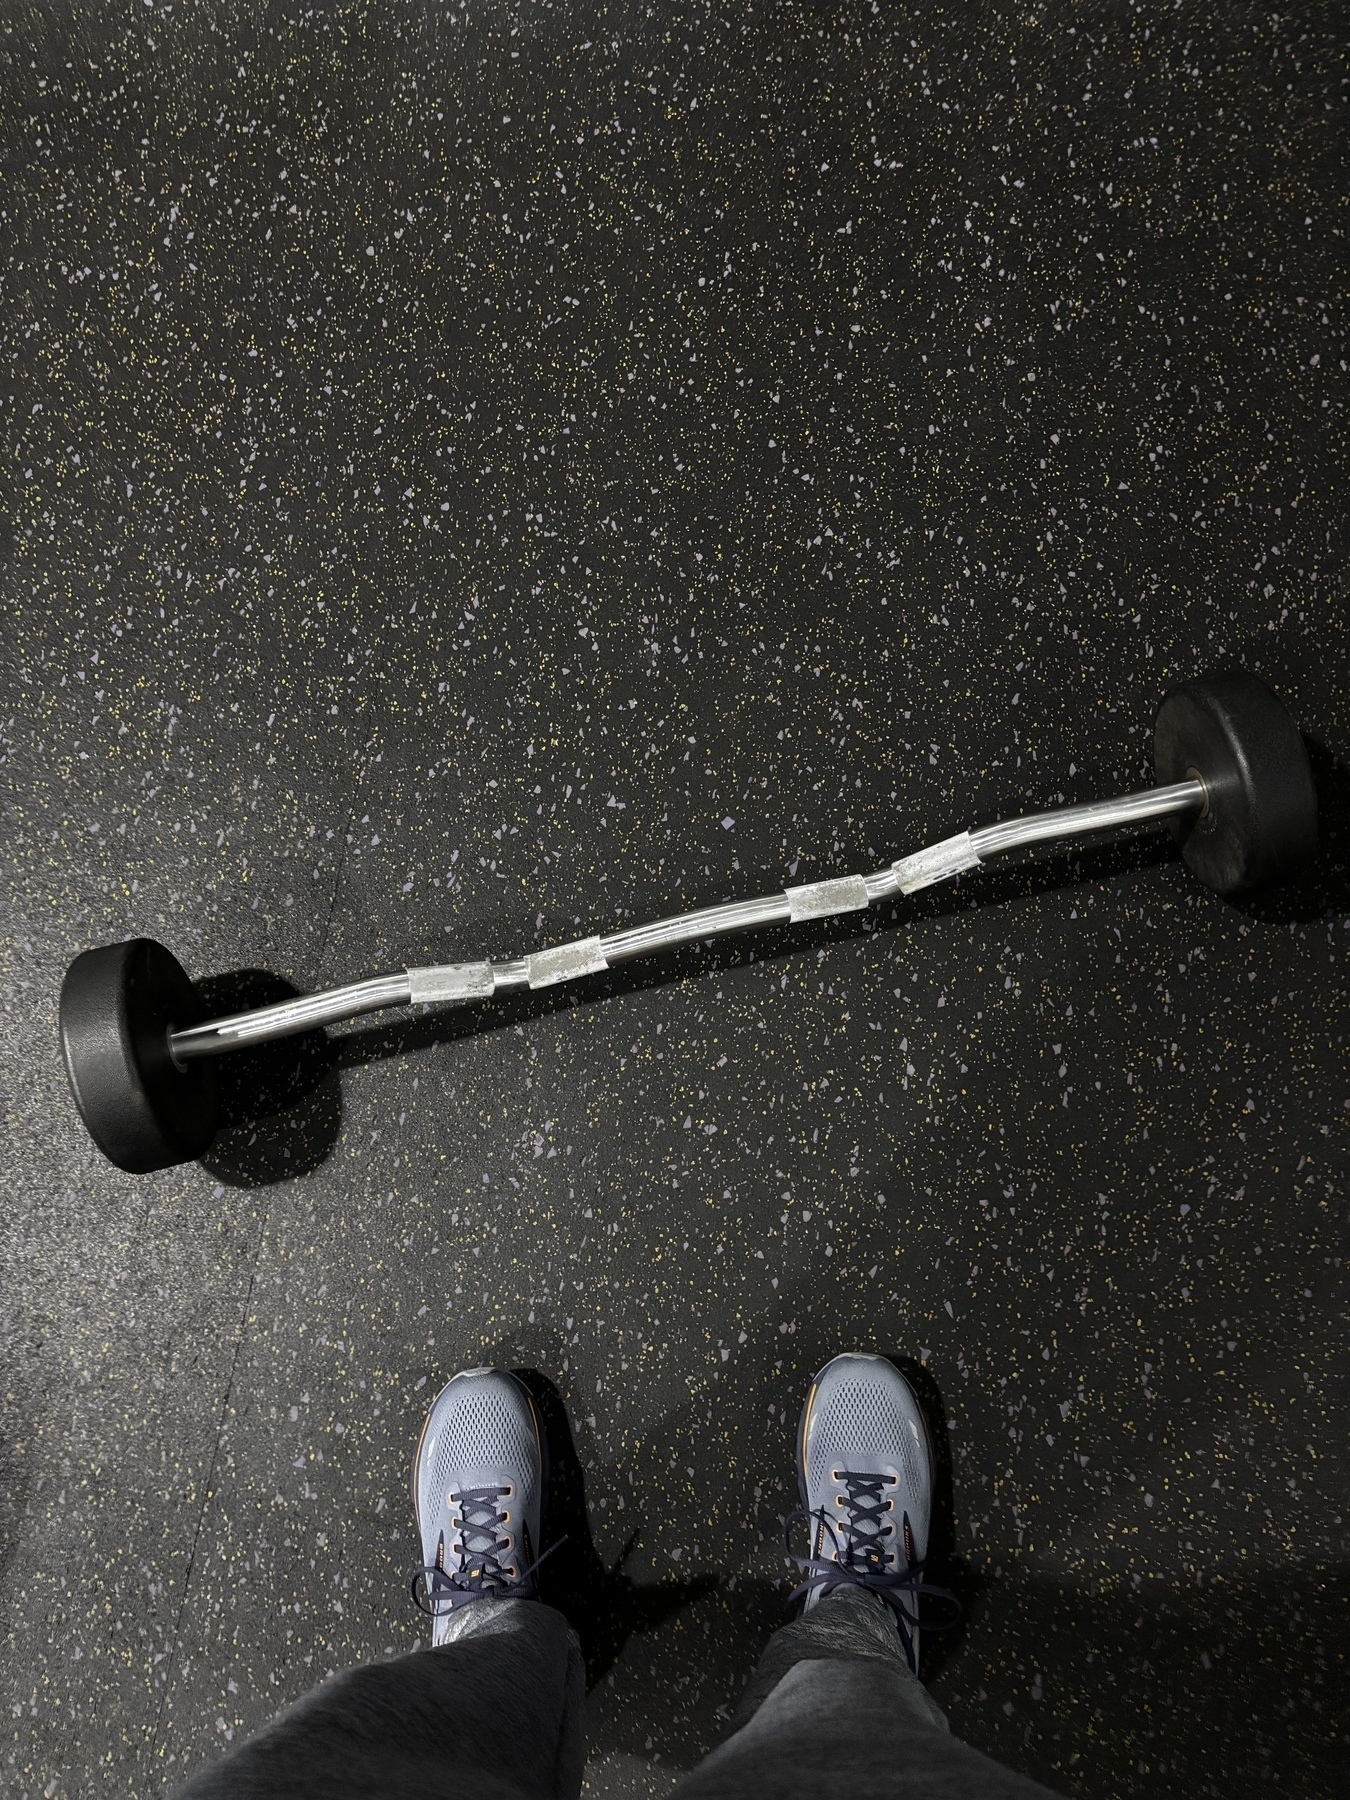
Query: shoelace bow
(859, 1559)
(481, 1548)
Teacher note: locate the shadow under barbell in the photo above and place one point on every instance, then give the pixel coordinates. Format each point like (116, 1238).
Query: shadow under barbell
(1234, 787)
(281, 1102)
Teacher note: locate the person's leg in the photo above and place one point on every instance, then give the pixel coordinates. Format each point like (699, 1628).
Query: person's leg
(495, 1713)
(834, 1708)
(494, 1709)
(835, 1704)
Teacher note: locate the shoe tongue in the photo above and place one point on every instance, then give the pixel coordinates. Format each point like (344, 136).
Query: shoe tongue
(867, 1556)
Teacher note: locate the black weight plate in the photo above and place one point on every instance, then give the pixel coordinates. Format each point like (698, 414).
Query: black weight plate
(1260, 825)
(118, 1004)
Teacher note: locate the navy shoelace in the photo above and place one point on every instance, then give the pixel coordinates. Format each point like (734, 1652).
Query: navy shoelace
(481, 1573)
(860, 1559)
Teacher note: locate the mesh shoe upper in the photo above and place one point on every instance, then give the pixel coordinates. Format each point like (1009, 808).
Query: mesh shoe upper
(477, 1492)
(866, 1476)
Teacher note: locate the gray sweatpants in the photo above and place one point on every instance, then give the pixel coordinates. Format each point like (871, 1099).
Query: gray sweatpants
(496, 1714)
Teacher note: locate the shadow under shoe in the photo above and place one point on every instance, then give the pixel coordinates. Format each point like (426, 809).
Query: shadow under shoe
(602, 1605)
(944, 1567)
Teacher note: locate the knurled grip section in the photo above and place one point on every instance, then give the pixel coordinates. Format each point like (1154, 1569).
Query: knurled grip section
(451, 981)
(823, 899)
(939, 862)
(566, 962)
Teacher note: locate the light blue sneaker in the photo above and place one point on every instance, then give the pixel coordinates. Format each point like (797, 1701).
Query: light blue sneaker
(478, 1485)
(865, 1469)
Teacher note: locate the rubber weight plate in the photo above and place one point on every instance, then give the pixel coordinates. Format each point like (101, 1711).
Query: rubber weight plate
(118, 1005)
(1260, 824)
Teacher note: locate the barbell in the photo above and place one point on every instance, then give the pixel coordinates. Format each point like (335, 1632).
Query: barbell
(1233, 783)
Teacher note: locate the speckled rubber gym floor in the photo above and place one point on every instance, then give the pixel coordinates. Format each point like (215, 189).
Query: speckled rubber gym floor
(477, 474)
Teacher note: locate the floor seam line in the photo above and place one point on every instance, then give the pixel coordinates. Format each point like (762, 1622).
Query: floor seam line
(206, 1489)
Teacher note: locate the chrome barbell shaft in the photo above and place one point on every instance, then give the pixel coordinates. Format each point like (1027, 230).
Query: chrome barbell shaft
(461, 983)
(1095, 815)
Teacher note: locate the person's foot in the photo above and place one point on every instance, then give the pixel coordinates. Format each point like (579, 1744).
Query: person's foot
(478, 1484)
(865, 1469)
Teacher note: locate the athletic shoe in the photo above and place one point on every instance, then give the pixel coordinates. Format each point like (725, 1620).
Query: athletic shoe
(865, 1469)
(478, 1486)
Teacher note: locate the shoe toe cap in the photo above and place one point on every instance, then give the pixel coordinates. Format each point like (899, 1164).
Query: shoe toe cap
(481, 1432)
(863, 1416)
